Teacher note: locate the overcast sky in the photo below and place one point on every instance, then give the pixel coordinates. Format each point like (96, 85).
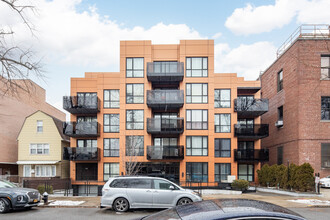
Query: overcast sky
(77, 36)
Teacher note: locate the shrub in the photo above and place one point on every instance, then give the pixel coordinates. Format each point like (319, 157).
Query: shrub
(304, 177)
(41, 189)
(281, 173)
(263, 174)
(240, 185)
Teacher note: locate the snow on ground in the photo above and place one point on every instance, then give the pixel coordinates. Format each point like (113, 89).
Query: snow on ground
(65, 203)
(311, 201)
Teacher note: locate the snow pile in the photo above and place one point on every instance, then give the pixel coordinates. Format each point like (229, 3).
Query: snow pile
(65, 203)
(311, 201)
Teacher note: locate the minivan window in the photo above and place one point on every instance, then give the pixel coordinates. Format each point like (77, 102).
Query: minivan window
(119, 183)
(139, 183)
(162, 184)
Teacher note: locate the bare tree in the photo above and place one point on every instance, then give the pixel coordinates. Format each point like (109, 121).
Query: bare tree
(129, 157)
(18, 64)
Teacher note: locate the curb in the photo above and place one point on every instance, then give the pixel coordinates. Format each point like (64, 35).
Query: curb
(318, 206)
(61, 206)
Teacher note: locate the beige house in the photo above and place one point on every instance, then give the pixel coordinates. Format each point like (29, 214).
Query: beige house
(40, 147)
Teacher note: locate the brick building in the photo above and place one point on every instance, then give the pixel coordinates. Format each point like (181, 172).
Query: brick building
(169, 111)
(297, 85)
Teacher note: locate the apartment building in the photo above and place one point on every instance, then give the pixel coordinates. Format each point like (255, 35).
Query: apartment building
(297, 85)
(166, 113)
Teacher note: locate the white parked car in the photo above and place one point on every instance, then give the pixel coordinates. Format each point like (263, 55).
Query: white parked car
(125, 192)
(325, 182)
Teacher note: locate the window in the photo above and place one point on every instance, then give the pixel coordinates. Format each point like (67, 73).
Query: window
(45, 171)
(222, 147)
(325, 67)
(280, 155)
(325, 108)
(134, 119)
(246, 172)
(134, 93)
(222, 98)
(134, 145)
(196, 67)
(163, 185)
(325, 155)
(222, 123)
(111, 98)
(244, 102)
(40, 149)
(87, 99)
(139, 183)
(165, 141)
(221, 171)
(87, 143)
(245, 145)
(111, 123)
(39, 126)
(111, 147)
(27, 171)
(280, 81)
(280, 115)
(197, 172)
(134, 67)
(110, 170)
(196, 145)
(86, 119)
(196, 93)
(197, 120)
(167, 67)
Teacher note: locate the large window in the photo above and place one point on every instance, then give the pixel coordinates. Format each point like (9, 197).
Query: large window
(196, 93)
(27, 171)
(40, 149)
(280, 116)
(134, 119)
(325, 108)
(110, 170)
(221, 171)
(197, 146)
(246, 172)
(134, 67)
(222, 147)
(222, 98)
(279, 155)
(197, 172)
(222, 123)
(197, 120)
(134, 145)
(87, 143)
(45, 171)
(325, 67)
(165, 141)
(245, 145)
(196, 67)
(111, 147)
(39, 126)
(111, 123)
(87, 99)
(325, 155)
(134, 93)
(111, 98)
(280, 81)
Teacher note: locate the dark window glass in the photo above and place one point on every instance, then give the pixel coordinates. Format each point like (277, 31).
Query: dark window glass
(111, 147)
(280, 113)
(222, 123)
(325, 67)
(279, 155)
(196, 92)
(325, 155)
(280, 81)
(111, 123)
(134, 119)
(134, 145)
(196, 67)
(110, 170)
(325, 108)
(222, 98)
(222, 147)
(246, 172)
(245, 102)
(111, 98)
(197, 120)
(134, 93)
(196, 145)
(134, 67)
(87, 99)
(119, 183)
(197, 172)
(87, 143)
(163, 185)
(139, 183)
(221, 171)
(246, 145)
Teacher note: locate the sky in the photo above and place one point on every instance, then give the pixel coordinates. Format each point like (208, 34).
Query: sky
(77, 36)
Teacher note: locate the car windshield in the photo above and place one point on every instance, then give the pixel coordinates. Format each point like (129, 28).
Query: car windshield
(5, 184)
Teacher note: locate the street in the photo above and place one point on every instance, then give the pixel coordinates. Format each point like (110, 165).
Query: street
(95, 213)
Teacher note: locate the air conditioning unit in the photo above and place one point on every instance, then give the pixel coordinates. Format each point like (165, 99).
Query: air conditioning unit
(279, 123)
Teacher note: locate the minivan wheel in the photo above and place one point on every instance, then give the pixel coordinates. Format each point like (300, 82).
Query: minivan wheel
(4, 205)
(120, 205)
(184, 201)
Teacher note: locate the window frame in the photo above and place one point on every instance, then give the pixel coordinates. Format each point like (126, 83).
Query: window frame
(327, 68)
(40, 126)
(110, 147)
(280, 113)
(220, 125)
(279, 155)
(44, 147)
(219, 147)
(133, 121)
(110, 173)
(45, 167)
(220, 174)
(110, 102)
(218, 99)
(133, 95)
(325, 159)
(202, 148)
(248, 173)
(280, 80)
(140, 148)
(85, 143)
(203, 122)
(325, 110)
(190, 173)
(202, 92)
(190, 60)
(133, 76)
(110, 125)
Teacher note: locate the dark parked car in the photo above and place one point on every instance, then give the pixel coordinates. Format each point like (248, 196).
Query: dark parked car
(12, 197)
(226, 209)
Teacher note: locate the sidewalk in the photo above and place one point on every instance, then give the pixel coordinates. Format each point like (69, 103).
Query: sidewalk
(282, 200)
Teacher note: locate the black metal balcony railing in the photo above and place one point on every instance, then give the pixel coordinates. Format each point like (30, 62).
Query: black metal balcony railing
(165, 99)
(256, 131)
(81, 129)
(165, 72)
(250, 107)
(165, 126)
(81, 153)
(81, 105)
(258, 155)
(165, 152)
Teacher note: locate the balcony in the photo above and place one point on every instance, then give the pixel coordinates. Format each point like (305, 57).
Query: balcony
(165, 152)
(256, 131)
(260, 155)
(250, 108)
(165, 126)
(165, 99)
(81, 153)
(81, 129)
(81, 105)
(165, 72)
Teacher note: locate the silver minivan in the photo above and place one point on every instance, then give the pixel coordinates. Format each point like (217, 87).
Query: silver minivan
(125, 192)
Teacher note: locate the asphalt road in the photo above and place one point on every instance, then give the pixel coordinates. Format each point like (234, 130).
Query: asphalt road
(95, 214)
